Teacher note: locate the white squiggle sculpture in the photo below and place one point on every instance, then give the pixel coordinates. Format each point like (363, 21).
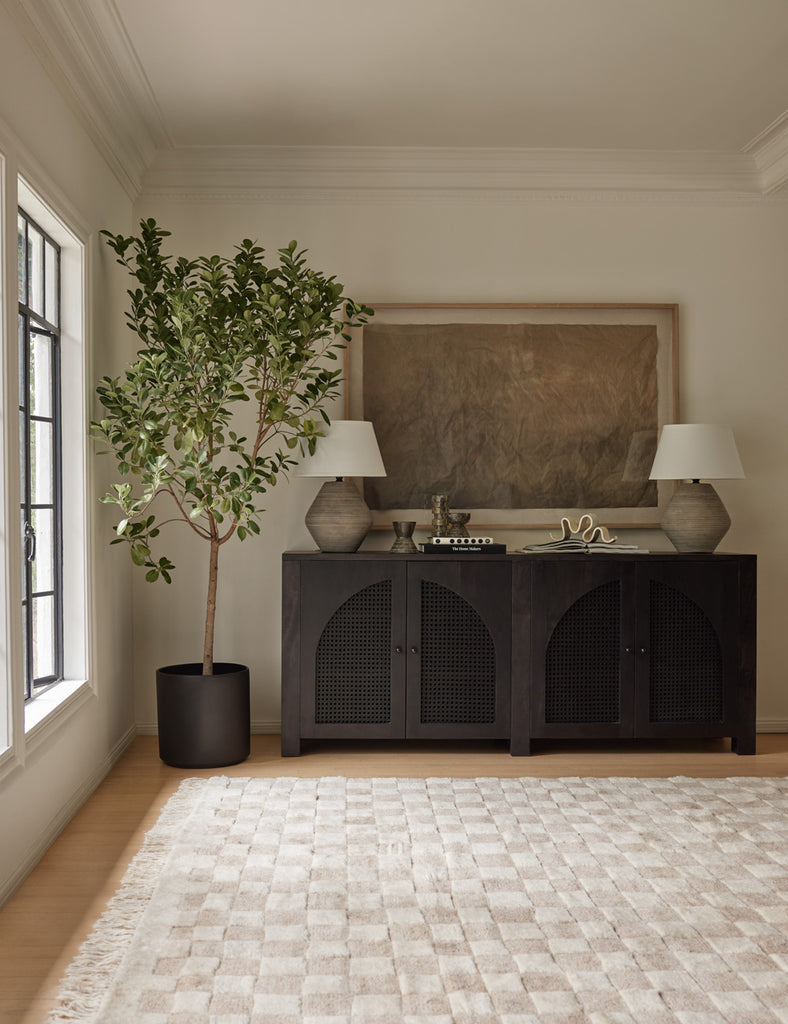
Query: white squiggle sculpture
(586, 529)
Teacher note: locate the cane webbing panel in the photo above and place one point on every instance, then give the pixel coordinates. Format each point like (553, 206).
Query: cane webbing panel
(685, 660)
(353, 661)
(582, 661)
(457, 660)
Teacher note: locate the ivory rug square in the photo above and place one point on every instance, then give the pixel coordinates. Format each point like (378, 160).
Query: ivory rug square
(449, 901)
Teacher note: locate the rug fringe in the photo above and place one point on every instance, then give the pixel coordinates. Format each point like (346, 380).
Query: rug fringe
(88, 977)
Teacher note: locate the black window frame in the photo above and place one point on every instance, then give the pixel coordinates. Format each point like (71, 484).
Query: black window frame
(31, 323)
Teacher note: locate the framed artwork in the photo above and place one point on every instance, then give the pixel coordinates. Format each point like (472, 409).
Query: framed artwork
(520, 413)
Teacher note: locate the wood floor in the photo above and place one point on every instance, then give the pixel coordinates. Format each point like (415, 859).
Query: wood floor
(43, 924)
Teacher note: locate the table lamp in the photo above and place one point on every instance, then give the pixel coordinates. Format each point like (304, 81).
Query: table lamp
(695, 518)
(339, 518)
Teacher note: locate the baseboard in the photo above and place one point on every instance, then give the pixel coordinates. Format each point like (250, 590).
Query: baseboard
(9, 886)
(263, 728)
(259, 728)
(771, 725)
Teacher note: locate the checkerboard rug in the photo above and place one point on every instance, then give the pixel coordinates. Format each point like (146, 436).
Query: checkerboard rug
(449, 901)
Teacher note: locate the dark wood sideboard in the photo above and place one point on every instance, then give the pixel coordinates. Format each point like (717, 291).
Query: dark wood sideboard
(518, 647)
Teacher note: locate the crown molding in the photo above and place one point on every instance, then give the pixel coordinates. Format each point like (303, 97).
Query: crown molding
(227, 172)
(769, 150)
(467, 197)
(89, 56)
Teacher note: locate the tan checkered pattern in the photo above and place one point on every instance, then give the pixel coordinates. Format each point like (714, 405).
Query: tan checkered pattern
(450, 901)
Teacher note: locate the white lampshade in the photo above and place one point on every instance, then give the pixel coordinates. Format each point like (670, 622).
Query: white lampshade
(695, 451)
(349, 448)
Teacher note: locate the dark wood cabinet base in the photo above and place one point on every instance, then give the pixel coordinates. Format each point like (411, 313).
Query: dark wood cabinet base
(518, 647)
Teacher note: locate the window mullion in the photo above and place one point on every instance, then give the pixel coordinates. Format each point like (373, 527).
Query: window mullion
(57, 499)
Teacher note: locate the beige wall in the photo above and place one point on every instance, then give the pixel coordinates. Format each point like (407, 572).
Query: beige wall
(723, 261)
(40, 788)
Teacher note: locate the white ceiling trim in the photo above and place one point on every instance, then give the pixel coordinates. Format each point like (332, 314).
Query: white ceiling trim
(90, 58)
(466, 197)
(228, 171)
(770, 153)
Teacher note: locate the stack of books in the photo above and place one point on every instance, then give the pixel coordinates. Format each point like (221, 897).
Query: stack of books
(463, 546)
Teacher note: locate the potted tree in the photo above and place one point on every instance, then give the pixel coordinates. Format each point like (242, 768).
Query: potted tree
(228, 386)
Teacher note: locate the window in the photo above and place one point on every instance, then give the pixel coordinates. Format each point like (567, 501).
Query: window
(50, 646)
(38, 265)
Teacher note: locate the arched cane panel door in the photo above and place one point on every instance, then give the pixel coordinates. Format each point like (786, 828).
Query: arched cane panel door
(582, 632)
(582, 667)
(352, 649)
(459, 650)
(457, 660)
(353, 660)
(686, 677)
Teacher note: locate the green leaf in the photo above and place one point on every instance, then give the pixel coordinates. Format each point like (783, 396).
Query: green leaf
(139, 553)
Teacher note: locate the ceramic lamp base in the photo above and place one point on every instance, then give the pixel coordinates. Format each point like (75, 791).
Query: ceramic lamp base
(338, 518)
(695, 519)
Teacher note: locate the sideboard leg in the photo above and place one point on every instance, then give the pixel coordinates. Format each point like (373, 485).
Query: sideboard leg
(291, 658)
(520, 746)
(291, 746)
(744, 743)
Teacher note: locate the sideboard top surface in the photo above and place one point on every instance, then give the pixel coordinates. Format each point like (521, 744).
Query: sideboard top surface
(534, 556)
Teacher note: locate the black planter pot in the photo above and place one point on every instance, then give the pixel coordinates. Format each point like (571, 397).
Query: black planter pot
(204, 721)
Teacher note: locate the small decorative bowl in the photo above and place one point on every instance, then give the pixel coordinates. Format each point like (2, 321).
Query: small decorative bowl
(458, 522)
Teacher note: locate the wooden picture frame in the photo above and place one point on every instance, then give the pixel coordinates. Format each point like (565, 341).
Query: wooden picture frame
(521, 412)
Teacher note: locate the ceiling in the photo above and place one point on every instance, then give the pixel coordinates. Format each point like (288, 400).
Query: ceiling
(609, 74)
(671, 78)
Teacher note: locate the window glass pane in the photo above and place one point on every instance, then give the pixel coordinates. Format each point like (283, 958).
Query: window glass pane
(22, 360)
(21, 259)
(35, 269)
(43, 637)
(22, 459)
(40, 374)
(41, 463)
(25, 549)
(26, 653)
(43, 564)
(51, 312)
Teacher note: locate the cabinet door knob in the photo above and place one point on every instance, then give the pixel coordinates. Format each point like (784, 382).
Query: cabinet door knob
(643, 650)
(414, 650)
(398, 650)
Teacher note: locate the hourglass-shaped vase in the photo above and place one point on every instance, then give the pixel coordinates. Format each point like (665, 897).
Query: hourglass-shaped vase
(403, 532)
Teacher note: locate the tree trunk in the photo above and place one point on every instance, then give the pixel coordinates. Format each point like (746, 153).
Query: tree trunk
(210, 614)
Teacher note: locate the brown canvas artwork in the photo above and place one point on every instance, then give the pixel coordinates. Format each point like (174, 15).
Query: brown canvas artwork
(512, 416)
